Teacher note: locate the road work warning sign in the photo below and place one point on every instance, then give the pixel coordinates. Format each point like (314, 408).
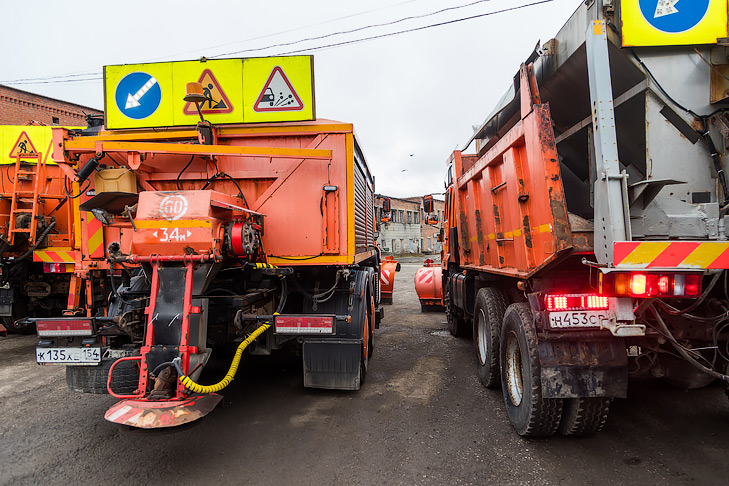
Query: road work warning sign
(269, 89)
(217, 101)
(23, 146)
(673, 22)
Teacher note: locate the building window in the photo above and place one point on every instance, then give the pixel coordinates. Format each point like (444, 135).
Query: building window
(410, 217)
(55, 119)
(417, 218)
(429, 247)
(393, 246)
(402, 216)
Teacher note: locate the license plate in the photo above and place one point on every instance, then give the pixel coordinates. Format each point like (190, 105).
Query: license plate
(571, 319)
(69, 356)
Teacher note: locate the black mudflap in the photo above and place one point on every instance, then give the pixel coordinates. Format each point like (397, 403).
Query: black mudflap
(573, 369)
(332, 363)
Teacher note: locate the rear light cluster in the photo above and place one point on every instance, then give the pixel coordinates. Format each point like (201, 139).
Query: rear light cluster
(568, 302)
(64, 327)
(639, 284)
(58, 267)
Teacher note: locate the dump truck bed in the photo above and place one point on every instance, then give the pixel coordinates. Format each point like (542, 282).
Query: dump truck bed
(511, 213)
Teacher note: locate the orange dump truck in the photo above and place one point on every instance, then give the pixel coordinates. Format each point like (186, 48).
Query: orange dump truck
(586, 233)
(262, 235)
(38, 224)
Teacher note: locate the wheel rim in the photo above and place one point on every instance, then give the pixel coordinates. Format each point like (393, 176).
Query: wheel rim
(482, 338)
(514, 381)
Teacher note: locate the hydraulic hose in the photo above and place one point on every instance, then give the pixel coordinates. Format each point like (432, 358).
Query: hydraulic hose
(682, 351)
(197, 388)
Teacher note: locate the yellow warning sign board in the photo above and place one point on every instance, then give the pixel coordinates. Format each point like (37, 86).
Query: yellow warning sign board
(279, 89)
(25, 140)
(222, 82)
(151, 95)
(673, 22)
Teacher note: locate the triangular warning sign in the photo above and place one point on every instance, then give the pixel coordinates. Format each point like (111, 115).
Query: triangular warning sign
(23, 146)
(278, 94)
(217, 102)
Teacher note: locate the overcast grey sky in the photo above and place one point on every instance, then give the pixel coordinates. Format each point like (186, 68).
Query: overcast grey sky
(415, 93)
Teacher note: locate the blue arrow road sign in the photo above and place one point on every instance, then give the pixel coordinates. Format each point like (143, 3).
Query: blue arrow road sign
(138, 95)
(674, 16)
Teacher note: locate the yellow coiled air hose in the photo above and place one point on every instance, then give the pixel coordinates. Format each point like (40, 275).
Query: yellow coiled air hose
(197, 388)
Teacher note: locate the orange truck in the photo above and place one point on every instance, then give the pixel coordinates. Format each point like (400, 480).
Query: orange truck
(38, 225)
(262, 235)
(580, 249)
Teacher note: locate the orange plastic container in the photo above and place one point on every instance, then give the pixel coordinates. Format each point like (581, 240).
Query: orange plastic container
(387, 278)
(428, 285)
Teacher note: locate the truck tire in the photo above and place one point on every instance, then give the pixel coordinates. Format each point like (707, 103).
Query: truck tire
(92, 379)
(584, 416)
(454, 316)
(491, 304)
(530, 414)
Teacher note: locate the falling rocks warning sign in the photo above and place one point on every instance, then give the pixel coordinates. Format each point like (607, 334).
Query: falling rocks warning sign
(278, 94)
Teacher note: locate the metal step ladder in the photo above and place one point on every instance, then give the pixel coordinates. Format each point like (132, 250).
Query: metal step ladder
(29, 180)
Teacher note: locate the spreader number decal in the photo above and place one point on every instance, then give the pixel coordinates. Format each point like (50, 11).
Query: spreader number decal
(172, 234)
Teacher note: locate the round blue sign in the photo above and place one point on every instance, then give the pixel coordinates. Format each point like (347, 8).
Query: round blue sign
(674, 16)
(138, 95)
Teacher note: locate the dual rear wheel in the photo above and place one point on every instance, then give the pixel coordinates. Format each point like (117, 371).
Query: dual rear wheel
(507, 353)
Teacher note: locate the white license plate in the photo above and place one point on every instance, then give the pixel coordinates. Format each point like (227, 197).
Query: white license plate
(571, 319)
(69, 356)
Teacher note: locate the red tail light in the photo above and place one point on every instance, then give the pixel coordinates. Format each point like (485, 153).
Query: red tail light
(647, 284)
(64, 327)
(563, 302)
(58, 267)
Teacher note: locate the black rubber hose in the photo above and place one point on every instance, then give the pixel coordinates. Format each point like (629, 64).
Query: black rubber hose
(682, 351)
(284, 295)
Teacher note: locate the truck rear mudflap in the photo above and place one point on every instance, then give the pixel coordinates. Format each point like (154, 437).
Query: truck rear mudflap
(574, 369)
(335, 364)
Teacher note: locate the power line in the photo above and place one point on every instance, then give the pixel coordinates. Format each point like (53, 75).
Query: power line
(58, 79)
(287, 31)
(358, 29)
(415, 29)
(90, 73)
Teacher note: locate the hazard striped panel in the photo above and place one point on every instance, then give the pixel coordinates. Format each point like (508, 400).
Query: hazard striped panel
(671, 254)
(385, 277)
(95, 233)
(56, 255)
(425, 277)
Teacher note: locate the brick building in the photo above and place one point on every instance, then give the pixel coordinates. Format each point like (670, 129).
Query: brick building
(19, 107)
(402, 233)
(407, 231)
(428, 232)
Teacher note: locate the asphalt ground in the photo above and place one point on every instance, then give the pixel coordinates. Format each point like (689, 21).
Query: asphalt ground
(421, 417)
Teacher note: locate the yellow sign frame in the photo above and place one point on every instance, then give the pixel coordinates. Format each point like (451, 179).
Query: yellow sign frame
(637, 31)
(156, 91)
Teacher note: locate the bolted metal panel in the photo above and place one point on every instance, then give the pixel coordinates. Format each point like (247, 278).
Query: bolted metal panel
(611, 216)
